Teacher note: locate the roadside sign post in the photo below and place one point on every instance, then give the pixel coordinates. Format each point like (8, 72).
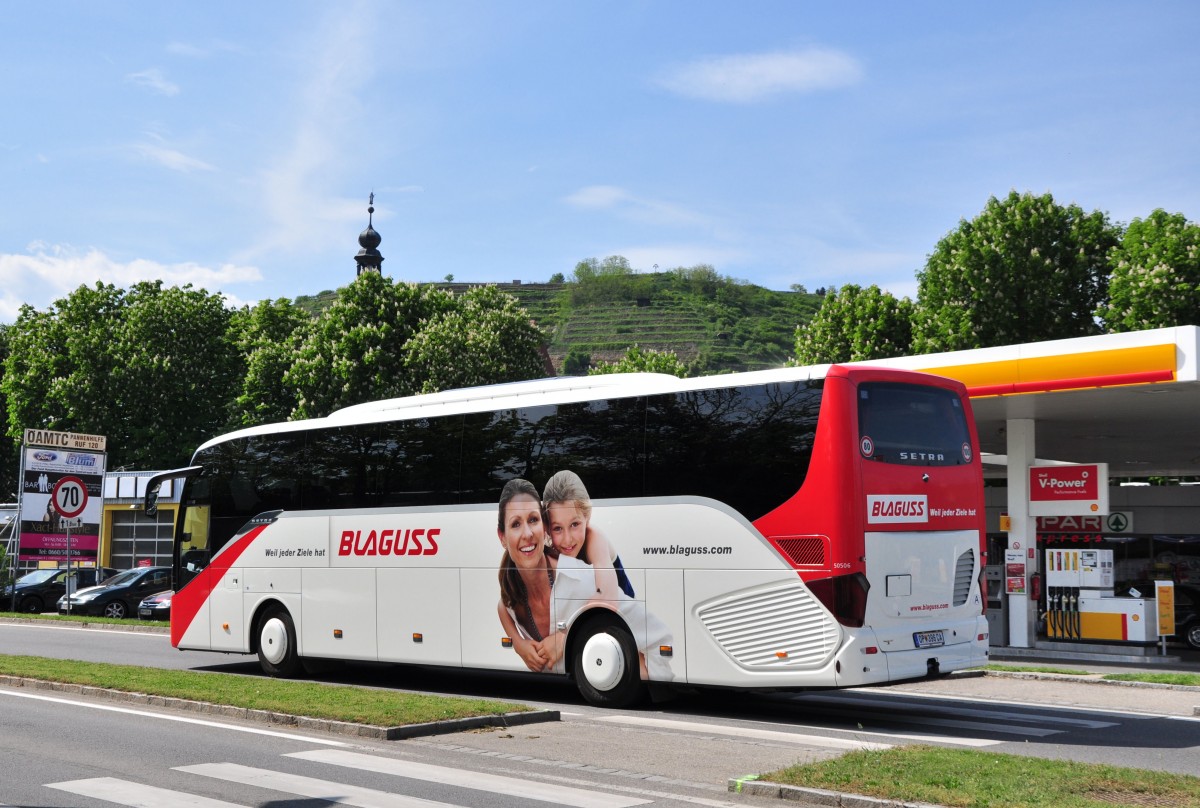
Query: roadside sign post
(62, 478)
(68, 499)
(1164, 595)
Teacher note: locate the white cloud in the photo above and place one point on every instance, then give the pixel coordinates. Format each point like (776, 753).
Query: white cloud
(154, 80)
(755, 77)
(634, 208)
(48, 272)
(171, 158)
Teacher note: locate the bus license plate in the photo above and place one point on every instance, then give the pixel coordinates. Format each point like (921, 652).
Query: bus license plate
(929, 639)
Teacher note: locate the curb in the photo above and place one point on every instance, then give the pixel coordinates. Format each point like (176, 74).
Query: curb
(1088, 679)
(148, 627)
(286, 719)
(816, 796)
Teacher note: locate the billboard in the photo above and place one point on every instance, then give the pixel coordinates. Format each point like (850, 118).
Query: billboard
(1077, 489)
(61, 502)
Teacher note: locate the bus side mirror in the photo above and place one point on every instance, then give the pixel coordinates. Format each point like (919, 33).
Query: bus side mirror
(150, 504)
(154, 484)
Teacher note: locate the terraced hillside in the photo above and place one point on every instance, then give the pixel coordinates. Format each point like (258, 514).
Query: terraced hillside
(723, 327)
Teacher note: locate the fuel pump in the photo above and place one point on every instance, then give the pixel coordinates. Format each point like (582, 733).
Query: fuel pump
(1080, 602)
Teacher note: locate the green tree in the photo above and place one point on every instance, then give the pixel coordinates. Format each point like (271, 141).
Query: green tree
(1024, 269)
(576, 362)
(179, 369)
(639, 360)
(10, 452)
(854, 324)
(485, 338)
(354, 352)
(557, 277)
(151, 368)
(612, 279)
(60, 370)
(1155, 278)
(269, 339)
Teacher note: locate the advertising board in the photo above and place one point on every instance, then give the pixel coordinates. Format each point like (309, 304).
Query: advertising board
(61, 503)
(1068, 490)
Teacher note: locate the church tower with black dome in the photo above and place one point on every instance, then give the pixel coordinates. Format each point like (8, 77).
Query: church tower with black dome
(369, 258)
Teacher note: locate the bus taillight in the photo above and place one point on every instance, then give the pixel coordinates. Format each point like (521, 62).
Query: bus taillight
(845, 596)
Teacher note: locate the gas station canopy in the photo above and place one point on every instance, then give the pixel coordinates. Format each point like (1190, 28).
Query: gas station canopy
(1129, 400)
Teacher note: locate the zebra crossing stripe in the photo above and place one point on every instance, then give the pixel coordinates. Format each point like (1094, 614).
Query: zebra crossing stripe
(494, 783)
(746, 732)
(138, 795)
(339, 793)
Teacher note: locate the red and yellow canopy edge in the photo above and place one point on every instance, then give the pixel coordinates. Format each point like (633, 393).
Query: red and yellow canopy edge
(1039, 374)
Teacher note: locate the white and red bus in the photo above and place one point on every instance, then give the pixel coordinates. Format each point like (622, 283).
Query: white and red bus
(795, 528)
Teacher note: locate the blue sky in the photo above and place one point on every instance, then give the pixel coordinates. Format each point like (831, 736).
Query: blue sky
(233, 145)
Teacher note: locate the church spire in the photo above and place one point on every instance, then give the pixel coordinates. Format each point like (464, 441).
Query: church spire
(369, 258)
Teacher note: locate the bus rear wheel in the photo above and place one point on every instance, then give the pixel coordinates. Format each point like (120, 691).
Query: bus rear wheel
(606, 666)
(277, 643)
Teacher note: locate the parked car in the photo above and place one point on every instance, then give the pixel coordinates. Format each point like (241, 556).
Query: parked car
(1187, 615)
(37, 590)
(119, 595)
(156, 607)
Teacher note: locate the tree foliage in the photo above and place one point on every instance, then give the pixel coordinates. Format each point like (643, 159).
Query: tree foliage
(854, 324)
(604, 281)
(150, 368)
(269, 337)
(1155, 278)
(486, 338)
(381, 339)
(1024, 269)
(639, 360)
(9, 448)
(354, 352)
(576, 362)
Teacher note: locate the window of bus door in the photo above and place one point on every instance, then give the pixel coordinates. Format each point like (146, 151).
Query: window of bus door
(193, 549)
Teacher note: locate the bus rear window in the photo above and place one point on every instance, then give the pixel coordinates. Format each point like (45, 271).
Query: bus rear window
(912, 425)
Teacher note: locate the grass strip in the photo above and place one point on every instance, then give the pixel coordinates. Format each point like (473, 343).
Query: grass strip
(1159, 678)
(79, 618)
(1186, 679)
(361, 705)
(969, 778)
(1036, 669)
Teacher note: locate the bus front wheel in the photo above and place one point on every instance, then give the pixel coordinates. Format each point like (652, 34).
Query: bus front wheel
(277, 643)
(607, 669)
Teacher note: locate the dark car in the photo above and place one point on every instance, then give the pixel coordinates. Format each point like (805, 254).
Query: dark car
(157, 606)
(119, 595)
(1187, 615)
(37, 591)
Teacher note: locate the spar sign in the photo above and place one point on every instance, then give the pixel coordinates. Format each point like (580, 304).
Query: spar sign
(1078, 489)
(62, 477)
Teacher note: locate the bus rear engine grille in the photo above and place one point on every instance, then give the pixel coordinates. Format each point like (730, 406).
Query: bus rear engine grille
(780, 627)
(964, 576)
(803, 551)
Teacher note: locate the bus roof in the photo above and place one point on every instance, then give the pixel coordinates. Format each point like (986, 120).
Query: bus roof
(532, 393)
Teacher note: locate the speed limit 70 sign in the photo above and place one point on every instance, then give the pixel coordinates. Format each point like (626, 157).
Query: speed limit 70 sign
(69, 497)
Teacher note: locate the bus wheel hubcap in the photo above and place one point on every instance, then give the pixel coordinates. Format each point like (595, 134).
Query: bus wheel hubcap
(603, 662)
(274, 640)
